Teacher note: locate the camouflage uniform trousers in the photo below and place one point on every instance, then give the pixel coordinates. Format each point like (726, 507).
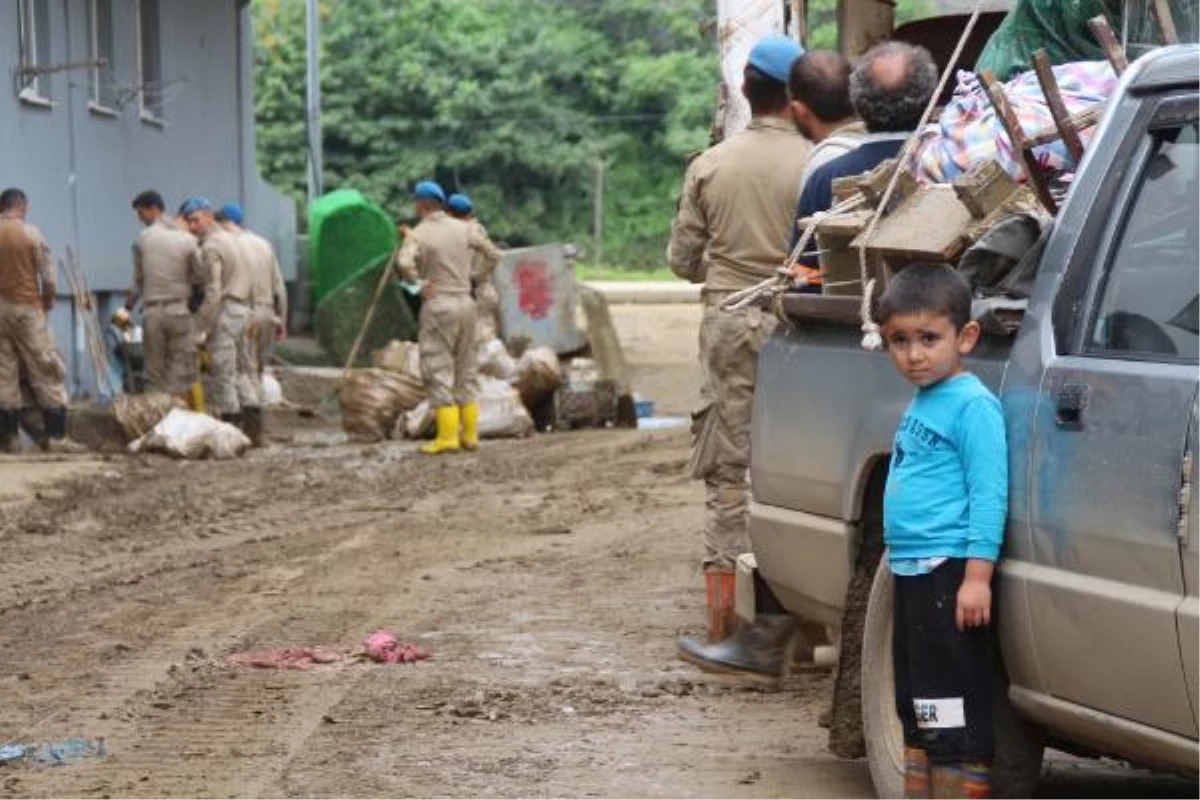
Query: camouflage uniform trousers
(231, 387)
(260, 335)
(487, 302)
(449, 356)
(169, 343)
(729, 347)
(26, 344)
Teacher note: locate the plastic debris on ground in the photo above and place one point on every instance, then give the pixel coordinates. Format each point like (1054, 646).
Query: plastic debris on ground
(495, 360)
(373, 399)
(53, 754)
(186, 434)
(285, 658)
(383, 647)
(663, 423)
(272, 390)
(138, 413)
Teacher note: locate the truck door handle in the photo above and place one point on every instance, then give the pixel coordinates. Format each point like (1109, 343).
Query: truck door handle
(1070, 404)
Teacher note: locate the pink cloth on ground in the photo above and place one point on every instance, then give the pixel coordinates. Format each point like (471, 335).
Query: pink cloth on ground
(384, 647)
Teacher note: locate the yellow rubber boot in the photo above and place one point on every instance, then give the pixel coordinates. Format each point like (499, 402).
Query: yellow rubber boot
(470, 426)
(447, 432)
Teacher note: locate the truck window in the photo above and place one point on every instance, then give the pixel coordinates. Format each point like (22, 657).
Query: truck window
(1147, 306)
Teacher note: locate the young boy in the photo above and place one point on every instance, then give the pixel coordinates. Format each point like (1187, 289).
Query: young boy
(944, 512)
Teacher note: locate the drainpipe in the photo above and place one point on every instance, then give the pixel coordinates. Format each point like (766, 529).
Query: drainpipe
(77, 330)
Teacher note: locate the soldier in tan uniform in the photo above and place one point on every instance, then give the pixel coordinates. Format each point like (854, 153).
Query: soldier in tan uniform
(487, 301)
(225, 314)
(27, 292)
(438, 254)
(730, 233)
(170, 279)
(268, 314)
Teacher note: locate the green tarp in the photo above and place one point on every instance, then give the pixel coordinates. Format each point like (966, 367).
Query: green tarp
(346, 233)
(341, 314)
(1059, 26)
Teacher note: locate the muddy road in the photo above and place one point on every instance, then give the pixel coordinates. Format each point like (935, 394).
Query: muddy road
(549, 578)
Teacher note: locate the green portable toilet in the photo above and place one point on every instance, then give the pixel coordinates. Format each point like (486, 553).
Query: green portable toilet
(347, 232)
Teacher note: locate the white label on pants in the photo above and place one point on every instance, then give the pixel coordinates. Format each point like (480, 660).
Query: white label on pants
(943, 712)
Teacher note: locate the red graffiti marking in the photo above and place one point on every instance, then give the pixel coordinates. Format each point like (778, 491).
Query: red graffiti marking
(535, 288)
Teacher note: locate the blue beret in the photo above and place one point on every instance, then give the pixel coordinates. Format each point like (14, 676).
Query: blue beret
(194, 204)
(459, 203)
(233, 213)
(773, 56)
(429, 190)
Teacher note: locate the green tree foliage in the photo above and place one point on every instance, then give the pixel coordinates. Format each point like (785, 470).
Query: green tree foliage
(512, 101)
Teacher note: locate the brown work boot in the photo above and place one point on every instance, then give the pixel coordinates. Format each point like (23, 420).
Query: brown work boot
(253, 425)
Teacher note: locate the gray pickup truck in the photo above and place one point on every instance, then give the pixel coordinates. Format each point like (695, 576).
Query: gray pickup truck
(1097, 611)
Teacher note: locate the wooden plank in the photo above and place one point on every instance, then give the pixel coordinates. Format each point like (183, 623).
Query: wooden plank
(927, 225)
(1165, 22)
(1008, 119)
(1058, 109)
(1080, 122)
(1108, 40)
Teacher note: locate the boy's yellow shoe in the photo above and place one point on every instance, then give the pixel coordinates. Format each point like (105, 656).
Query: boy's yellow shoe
(470, 426)
(447, 432)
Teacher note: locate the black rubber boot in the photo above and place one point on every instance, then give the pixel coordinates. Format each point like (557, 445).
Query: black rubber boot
(253, 426)
(56, 432)
(235, 419)
(763, 648)
(10, 431)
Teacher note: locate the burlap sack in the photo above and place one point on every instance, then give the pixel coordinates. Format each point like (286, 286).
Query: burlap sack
(372, 399)
(538, 375)
(138, 413)
(398, 356)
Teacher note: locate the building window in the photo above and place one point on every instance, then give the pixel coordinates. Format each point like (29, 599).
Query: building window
(100, 48)
(150, 83)
(33, 25)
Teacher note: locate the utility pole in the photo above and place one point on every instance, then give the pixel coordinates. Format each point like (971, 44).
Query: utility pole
(313, 108)
(598, 212)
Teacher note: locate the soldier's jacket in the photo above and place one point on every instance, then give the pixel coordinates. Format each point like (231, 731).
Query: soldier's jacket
(267, 289)
(26, 276)
(440, 252)
(228, 275)
(166, 263)
(485, 259)
(735, 212)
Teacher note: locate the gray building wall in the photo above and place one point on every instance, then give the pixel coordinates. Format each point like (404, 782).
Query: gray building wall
(81, 166)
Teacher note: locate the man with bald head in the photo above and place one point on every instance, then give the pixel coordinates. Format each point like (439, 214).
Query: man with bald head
(889, 88)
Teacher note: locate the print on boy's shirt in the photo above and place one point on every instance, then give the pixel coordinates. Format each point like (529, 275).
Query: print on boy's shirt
(897, 455)
(925, 435)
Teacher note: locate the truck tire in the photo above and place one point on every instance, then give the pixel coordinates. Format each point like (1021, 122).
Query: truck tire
(1019, 744)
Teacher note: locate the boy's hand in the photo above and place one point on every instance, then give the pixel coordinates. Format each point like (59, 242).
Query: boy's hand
(974, 607)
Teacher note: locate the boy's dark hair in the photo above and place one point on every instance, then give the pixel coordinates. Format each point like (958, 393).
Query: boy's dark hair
(821, 80)
(929, 288)
(149, 199)
(11, 198)
(765, 94)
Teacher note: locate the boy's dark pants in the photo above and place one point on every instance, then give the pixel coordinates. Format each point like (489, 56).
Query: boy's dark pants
(943, 676)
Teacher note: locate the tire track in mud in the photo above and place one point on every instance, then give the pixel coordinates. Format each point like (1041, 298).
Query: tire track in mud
(158, 702)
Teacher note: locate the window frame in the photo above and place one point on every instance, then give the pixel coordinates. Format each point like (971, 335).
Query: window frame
(33, 34)
(104, 106)
(1173, 110)
(151, 116)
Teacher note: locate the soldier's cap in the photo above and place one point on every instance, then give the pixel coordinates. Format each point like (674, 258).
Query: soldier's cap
(429, 190)
(460, 203)
(233, 213)
(773, 56)
(194, 204)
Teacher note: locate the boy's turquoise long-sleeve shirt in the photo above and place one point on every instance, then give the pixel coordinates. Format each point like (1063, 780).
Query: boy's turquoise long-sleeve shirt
(947, 489)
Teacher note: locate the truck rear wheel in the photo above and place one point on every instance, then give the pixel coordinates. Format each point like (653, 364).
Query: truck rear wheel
(1019, 744)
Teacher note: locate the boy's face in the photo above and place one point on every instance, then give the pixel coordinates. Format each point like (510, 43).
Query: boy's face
(925, 347)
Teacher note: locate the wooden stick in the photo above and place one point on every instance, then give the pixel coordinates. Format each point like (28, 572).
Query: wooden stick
(1165, 21)
(1058, 109)
(1079, 122)
(1012, 126)
(366, 323)
(1112, 48)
